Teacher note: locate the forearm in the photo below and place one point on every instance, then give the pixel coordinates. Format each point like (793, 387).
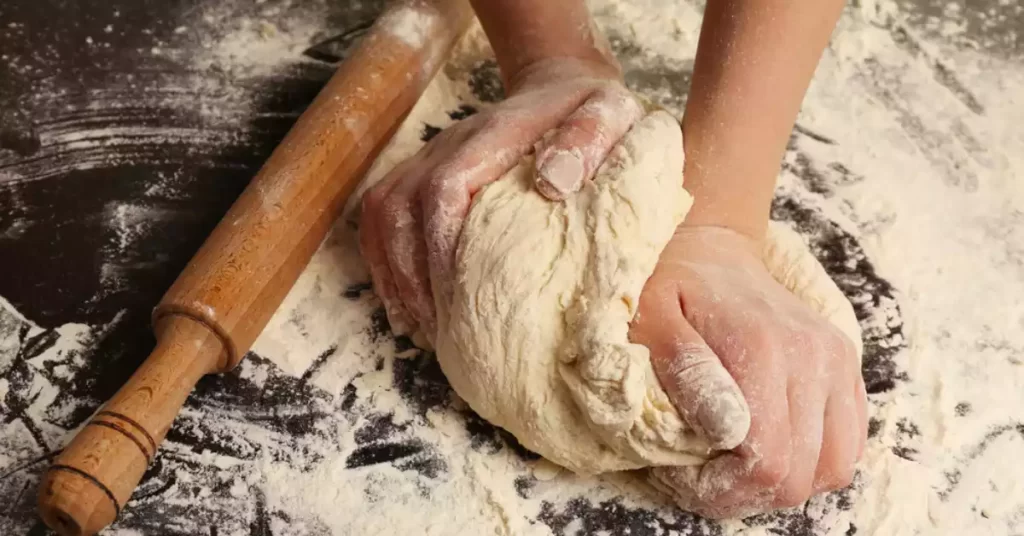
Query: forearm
(523, 32)
(754, 62)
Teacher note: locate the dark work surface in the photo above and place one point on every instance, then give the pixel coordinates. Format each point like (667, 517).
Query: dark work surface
(94, 121)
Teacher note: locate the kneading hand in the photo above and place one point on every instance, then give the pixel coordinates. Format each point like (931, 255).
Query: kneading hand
(723, 333)
(411, 220)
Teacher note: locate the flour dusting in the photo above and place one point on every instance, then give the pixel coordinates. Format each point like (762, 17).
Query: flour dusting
(411, 25)
(900, 175)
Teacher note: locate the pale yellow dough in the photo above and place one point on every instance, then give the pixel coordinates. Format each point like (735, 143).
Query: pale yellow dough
(535, 337)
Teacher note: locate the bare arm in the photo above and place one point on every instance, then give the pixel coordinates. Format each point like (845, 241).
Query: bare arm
(525, 32)
(712, 298)
(754, 62)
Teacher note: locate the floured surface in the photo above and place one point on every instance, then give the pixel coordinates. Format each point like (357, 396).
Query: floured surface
(903, 176)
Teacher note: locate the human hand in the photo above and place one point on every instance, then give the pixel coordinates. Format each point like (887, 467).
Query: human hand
(574, 110)
(711, 303)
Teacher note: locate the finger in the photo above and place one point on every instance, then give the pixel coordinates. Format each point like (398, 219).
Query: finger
(706, 396)
(806, 424)
(373, 251)
(862, 415)
(719, 489)
(841, 443)
(745, 480)
(391, 212)
(578, 147)
(859, 423)
(444, 210)
(843, 427)
(446, 197)
(402, 238)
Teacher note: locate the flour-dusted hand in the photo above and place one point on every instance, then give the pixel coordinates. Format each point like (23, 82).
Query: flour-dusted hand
(710, 303)
(573, 110)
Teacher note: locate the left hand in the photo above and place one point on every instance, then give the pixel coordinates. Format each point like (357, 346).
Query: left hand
(573, 110)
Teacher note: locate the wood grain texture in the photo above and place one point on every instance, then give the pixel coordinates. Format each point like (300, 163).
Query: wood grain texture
(222, 300)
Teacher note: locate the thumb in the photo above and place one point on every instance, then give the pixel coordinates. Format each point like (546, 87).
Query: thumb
(703, 391)
(572, 154)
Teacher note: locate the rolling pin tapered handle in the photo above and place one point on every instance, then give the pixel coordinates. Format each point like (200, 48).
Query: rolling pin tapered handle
(224, 298)
(90, 482)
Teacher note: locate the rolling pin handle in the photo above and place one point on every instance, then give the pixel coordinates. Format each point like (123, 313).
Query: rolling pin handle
(92, 479)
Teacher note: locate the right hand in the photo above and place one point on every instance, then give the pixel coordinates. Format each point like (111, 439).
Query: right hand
(574, 110)
(754, 370)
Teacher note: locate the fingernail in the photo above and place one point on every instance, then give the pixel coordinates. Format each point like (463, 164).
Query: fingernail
(396, 320)
(725, 420)
(560, 175)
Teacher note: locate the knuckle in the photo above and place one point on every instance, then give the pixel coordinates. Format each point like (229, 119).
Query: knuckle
(762, 338)
(835, 341)
(619, 96)
(848, 348)
(658, 301)
(393, 213)
(448, 184)
(610, 90)
(438, 185)
(802, 341)
(439, 180)
(771, 472)
(837, 349)
(837, 477)
(600, 109)
(372, 199)
(582, 129)
(793, 494)
(496, 120)
(844, 475)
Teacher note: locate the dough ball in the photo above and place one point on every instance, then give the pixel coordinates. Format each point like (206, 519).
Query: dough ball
(535, 336)
(535, 339)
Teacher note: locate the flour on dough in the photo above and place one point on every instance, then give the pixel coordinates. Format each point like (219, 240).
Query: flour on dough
(535, 337)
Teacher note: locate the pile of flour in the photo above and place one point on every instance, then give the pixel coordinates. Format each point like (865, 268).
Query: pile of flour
(901, 175)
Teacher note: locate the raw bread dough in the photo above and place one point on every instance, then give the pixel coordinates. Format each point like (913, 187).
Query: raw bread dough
(535, 337)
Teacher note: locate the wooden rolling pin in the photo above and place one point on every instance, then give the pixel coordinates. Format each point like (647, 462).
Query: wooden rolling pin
(221, 302)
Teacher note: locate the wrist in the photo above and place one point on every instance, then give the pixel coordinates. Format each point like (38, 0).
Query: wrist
(555, 68)
(730, 171)
(524, 33)
(694, 239)
(739, 214)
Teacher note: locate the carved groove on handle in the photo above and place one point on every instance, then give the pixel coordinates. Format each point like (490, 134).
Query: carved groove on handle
(165, 310)
(133, 424)
(126, 433)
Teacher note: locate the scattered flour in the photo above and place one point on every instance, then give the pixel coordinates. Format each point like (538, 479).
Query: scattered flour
(411, 25)
(916, 151)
